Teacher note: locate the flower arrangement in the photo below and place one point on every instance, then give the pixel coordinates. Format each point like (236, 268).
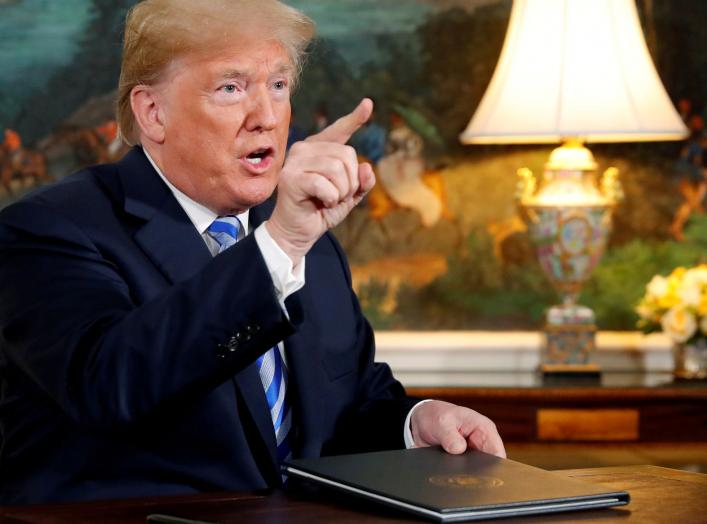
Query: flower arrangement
(677, 304)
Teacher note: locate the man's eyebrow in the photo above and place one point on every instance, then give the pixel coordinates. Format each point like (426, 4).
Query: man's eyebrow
(284, 69)
(236, 74)
(233, 74)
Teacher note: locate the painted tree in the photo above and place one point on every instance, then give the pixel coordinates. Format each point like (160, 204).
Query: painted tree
(459, 53)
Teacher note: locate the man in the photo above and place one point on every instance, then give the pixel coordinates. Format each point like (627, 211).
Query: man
(140, 354)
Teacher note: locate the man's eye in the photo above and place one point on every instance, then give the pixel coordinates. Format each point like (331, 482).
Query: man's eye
(229, 88)
(280, 84)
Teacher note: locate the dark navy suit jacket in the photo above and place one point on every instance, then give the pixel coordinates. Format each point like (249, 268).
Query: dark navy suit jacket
(127, 352)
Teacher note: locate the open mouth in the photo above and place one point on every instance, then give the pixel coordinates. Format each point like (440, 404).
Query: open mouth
(258, 156)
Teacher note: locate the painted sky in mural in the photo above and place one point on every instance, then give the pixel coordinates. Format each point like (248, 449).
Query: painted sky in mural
(40, 37)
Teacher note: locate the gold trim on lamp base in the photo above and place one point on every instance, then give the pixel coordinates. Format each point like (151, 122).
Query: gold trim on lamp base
(570, 369)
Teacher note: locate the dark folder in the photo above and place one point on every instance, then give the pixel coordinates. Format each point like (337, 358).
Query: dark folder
(449, 488)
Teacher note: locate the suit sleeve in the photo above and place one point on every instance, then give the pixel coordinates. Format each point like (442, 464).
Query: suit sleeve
(69, 323)
(376, 420)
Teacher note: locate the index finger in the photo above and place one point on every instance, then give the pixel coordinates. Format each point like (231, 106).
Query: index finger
(341, 130)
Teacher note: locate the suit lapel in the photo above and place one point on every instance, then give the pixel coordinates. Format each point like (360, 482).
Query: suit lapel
(170, 240)
(306, 374)
(248, 381)
(302, 356)
(261, 213)
(251, 389)
(167, 236)
(172, 243)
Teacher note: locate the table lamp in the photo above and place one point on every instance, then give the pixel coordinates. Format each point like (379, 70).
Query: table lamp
(572, 71)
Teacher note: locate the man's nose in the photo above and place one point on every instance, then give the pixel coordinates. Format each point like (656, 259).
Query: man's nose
(261, 114)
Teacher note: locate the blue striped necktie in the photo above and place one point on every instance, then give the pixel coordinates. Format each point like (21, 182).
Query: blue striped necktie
(224, 230)
(272, 369)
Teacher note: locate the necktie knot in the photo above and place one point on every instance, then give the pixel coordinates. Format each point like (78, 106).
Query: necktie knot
(224, 230)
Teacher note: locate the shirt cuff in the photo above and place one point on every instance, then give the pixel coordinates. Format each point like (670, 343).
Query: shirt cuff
(285, 278)
(407, 431)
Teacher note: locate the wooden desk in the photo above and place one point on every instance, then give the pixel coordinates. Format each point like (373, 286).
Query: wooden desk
(618, 409)
(659, 495)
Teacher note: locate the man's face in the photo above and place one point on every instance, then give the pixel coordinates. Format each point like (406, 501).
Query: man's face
(226, 119)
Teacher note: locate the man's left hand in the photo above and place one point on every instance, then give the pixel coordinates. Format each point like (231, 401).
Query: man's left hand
(455, 428)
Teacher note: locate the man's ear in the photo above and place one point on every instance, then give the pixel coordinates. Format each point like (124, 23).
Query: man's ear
(144, 101)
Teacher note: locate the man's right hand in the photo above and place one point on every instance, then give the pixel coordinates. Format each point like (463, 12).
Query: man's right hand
(320, 183)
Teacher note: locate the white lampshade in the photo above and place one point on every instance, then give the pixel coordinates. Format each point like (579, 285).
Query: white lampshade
(574, 68)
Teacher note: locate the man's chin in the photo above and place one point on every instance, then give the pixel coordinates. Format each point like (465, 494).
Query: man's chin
(243, 201)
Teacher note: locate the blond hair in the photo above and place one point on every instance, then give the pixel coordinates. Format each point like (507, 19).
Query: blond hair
(157, 32)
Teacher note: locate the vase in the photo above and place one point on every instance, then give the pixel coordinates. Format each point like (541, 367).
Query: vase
(568, 214)
(691, 359)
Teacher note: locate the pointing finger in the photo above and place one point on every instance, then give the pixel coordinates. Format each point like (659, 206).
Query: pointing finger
(342, 130)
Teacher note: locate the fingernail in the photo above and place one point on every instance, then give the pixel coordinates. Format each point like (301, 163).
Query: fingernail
(455, 448)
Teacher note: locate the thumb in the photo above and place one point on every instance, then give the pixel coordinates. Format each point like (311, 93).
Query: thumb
(453, 442)
(342, 130)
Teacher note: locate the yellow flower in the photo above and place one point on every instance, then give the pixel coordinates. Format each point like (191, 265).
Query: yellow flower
(669, 300)
(678, 272)
(702, 308)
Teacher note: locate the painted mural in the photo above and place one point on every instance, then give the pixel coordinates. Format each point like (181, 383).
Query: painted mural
(439, 243)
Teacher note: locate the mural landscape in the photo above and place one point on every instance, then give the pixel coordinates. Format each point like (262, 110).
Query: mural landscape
(456, 256)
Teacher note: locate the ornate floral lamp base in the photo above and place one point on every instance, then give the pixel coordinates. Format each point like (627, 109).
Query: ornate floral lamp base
(569, 220)
(570, 334)
(691, 360)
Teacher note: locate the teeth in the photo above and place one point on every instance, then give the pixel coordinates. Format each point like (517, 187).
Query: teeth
(254, 160)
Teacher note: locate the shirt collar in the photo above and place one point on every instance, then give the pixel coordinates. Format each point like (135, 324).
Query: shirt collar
(200, 215)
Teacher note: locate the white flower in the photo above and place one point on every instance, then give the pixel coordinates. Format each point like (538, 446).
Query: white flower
(690, 295)
(679, 324)
(658, 286)
(697, 276)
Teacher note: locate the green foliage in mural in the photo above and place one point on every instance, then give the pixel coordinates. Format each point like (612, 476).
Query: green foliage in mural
(619, 281)
(486, 293)
(647, 174)
(373, 298)
(478, 291)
